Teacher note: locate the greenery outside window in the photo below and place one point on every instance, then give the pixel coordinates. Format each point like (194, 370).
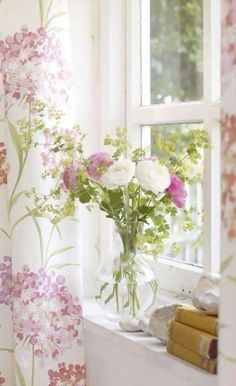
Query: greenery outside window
(173, 84)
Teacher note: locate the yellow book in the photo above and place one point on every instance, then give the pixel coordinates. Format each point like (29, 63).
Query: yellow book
(195, 340)
(195, 359)
(197, 319)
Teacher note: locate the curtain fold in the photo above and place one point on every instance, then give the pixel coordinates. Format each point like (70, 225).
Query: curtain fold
(227, 352)
(41, 340)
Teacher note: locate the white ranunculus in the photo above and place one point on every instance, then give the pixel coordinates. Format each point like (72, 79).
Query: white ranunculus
(152, 176)
(120, 173)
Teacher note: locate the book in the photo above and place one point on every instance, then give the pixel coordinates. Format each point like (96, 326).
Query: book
(197, 319)
(210, 365)
(195, 340)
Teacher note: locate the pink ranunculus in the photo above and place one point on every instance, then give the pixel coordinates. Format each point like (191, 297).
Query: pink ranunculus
(177, 191)
(69, 177)
(98, 164)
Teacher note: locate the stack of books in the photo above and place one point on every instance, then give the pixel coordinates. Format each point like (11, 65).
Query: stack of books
(193, 337)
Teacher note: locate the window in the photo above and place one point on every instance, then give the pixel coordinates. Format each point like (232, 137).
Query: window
(173, 83)
(186, 241)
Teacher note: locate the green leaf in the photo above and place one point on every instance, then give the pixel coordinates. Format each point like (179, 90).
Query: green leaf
(49, 10)
(115, 199)
(36, 223)
(232, 278)
(18, 222)
(55, 16)
(63, 265)
(57, 29)
(84, 197)
(110, 296)
(16, 198)
(157, 220)
(16, 141)
(105, 206)
(225, 263)
(144, 209)
(20, 376)
(103, 286)
(58, 231)
(126, 304)
(58, 251)
(41, 12)
(5, 233)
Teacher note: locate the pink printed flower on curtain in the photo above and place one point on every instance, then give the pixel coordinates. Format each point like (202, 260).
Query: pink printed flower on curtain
(32, 66)
(98, 163)
(2, 380)
(6, 281)
(230, 12)
(45, 315)
(228, 45)
(228, 214)
(4, 167)
(177, 191)
(71, 375)
(60, 149)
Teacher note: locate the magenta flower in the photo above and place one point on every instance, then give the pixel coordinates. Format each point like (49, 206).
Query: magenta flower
(69, 177)
(72, 375)
(98, 164)
(177, 191)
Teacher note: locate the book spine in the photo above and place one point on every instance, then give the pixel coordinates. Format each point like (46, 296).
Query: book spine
(209, 365)
(195, 340)
(205, 323)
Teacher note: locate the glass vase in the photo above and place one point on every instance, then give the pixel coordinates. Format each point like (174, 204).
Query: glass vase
(126, 285)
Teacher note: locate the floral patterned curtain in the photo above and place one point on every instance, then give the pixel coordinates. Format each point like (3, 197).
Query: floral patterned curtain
(41, 340)
(227, 363)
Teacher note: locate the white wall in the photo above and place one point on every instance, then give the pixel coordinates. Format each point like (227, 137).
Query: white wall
(97, 30)
(85, 45)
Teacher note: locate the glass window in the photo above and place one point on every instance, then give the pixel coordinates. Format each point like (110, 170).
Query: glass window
(173, 85)
(186, 228)
(176, 51)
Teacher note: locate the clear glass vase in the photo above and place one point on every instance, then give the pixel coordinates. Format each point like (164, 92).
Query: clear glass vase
(126, 285)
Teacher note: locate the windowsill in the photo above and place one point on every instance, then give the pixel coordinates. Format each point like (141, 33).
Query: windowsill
(150, 349)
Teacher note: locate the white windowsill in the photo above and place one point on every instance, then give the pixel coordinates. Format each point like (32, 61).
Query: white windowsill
(139, 343)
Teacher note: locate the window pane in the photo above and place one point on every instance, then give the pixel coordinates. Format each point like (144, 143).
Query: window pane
(186, 229)
(176, 51)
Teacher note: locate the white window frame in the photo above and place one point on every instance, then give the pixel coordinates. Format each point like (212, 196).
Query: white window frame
(175, 276)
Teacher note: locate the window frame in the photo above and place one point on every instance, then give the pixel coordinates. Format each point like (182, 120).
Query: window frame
(175, 276)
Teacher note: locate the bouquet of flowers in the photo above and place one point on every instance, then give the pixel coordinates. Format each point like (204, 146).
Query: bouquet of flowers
(138, 191)
(135, 189)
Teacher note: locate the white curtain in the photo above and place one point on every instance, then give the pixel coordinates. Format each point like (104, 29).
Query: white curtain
(41, 340)
(227, 352)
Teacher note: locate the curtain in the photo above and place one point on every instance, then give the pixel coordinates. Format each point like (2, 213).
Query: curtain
(41, 340)
(227, 354)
